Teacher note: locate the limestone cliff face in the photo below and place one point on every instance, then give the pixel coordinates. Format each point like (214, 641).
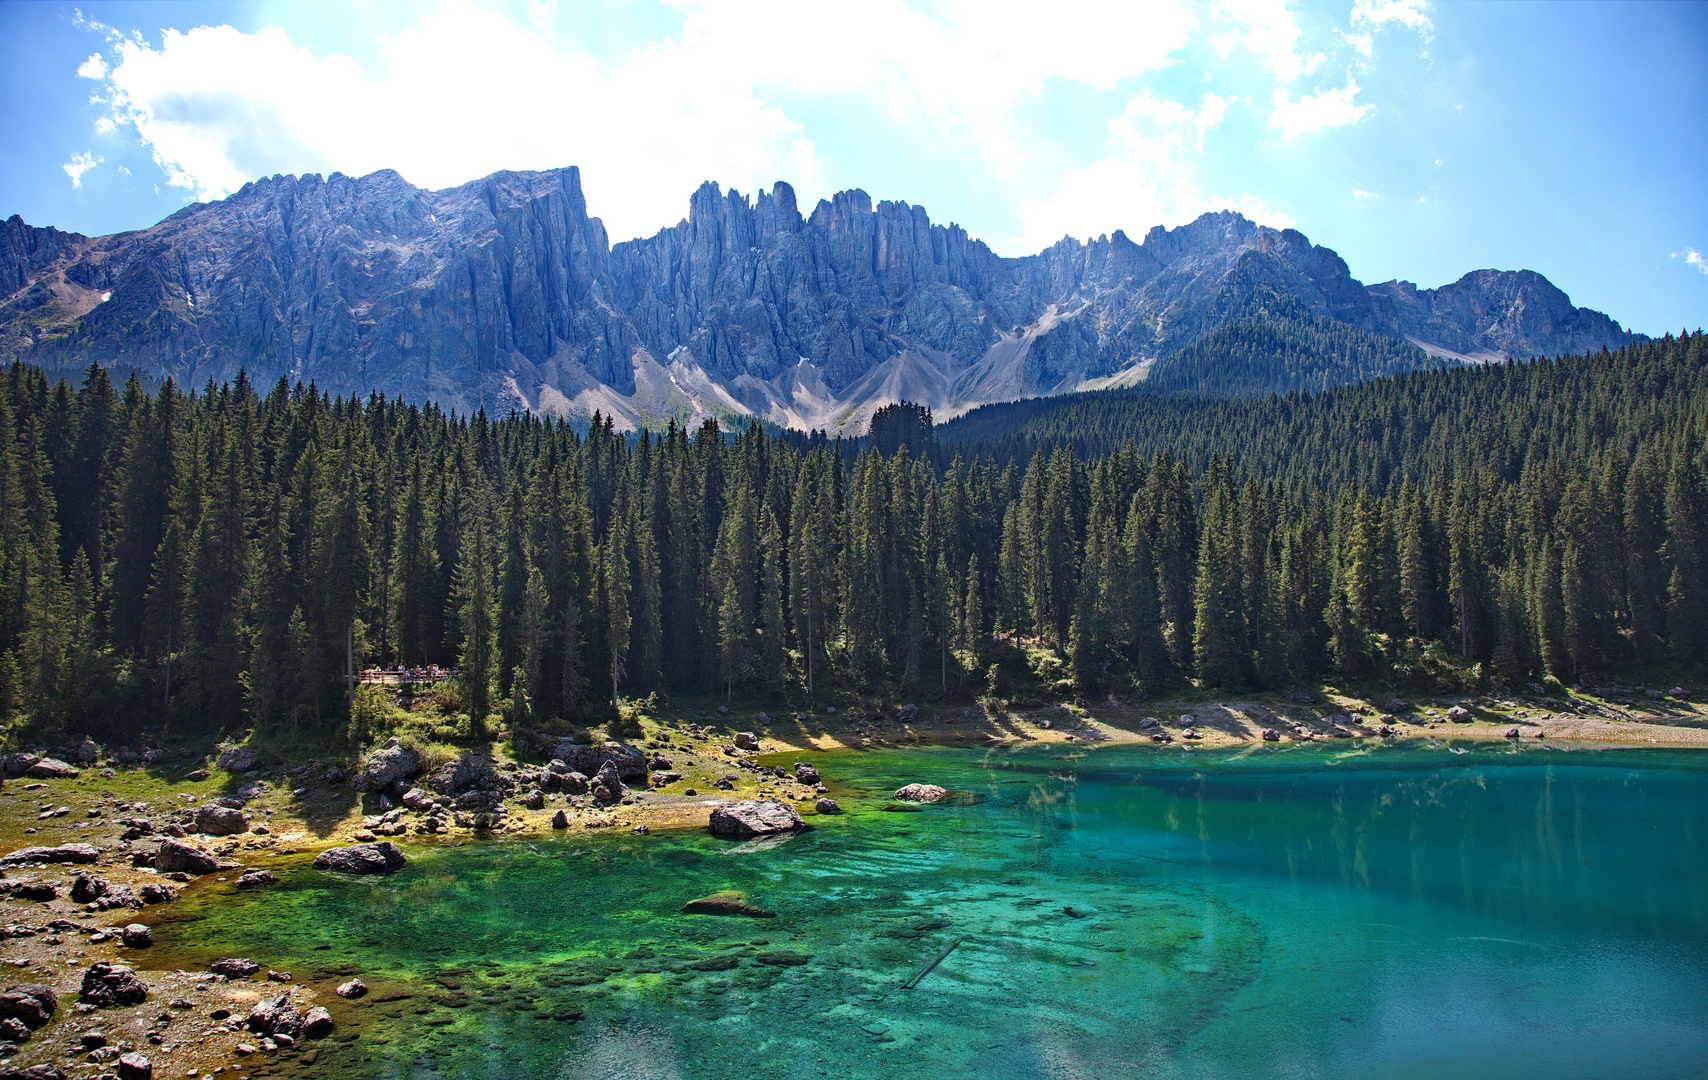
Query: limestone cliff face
(505, 293)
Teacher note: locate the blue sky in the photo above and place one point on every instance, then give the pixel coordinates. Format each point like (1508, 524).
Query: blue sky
(1419, 141)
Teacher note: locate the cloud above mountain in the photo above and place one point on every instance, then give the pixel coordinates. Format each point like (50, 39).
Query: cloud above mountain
(731, 91)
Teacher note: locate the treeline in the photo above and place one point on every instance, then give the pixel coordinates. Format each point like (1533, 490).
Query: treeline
(1272, 344)
(223, 558)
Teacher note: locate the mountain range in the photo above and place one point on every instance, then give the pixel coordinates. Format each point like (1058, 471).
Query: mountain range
(505, 293)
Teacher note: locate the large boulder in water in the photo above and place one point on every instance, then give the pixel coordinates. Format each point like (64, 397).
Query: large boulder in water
(629, 762)
(387, 765)
(175, 855)
(113, 984)
(379, 858)
(758, 817)
(921, 793)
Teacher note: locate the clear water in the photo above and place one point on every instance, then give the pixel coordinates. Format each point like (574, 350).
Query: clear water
(1394, 911)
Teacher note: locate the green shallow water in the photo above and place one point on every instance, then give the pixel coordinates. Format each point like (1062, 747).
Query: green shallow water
(1395, 911)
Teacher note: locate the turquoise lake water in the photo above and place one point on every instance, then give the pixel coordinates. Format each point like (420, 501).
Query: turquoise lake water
(1390, 911)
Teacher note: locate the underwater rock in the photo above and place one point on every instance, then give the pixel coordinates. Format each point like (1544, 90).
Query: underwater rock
(377, 858)
(155, 893)
(112, 984)
(726, 903)
(759, 817)
(255, 878)
(352, 990)
(234, 968)
(921, 793)
(137, 936)
(827, 806)
(806, 774)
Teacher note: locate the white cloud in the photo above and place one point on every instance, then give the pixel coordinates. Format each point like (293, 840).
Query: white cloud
(1266, 28)
(1692, 257)
(1315, 112)
(1412, 14)
(79, 164)
(1360, 193)
(1151, 180)
(93, 68)
(464, 92)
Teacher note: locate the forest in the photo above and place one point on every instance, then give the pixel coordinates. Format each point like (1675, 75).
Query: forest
(230, 558)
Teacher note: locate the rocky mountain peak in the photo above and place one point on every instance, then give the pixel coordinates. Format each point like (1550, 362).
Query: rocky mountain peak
(506, 293)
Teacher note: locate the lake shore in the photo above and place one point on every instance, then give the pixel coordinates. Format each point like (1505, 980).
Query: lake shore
(295, 810)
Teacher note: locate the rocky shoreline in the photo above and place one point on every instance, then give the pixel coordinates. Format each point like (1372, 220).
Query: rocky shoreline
(97, 841)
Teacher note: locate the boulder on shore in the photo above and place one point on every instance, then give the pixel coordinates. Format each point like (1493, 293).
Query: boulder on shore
(1458, 714)
(377, 858)
(726, 903)
(921, 793)
(107, 983)
(64, 853)
(234, 967)
(237, 759)
(806, 774)
(607, 787)
(387, 765)
(53, 769)
(757, 817)
(746, 740)
(175, 855)
(217, 820)
(32, 1004)
(629, 762)
(137, 936)
(275, 1016)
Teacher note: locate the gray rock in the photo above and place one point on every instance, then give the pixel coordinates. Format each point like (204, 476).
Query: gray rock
(1460, 715)
(275, 1016)
(14, 1031)
(388, 765)
(827, 806)
(746, 740)
(806, 774)
(1396, 705)
(377, 858)
(629, 762)
(52, 769)
(234, 967)
(759, 817)
(135, 1066)
(471, 771)
(560, 820)
(921, 793)
(86, 887)
(352, 990)
(535, 800)
(256, 878)
(237, 759)
(156, 893)
(177, 856)
(64, 853)
(1271, 735)
(416, 799)
(217, 820)
(137, 936)
(34, 1072)
(17, 763)
(112, 984)
(32, 1004)
(316, 1023)
(88, 753)
(607, 788)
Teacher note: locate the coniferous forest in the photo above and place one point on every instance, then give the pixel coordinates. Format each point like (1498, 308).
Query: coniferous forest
(230, 558)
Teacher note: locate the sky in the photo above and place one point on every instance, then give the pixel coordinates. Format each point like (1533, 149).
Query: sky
(1420, 141)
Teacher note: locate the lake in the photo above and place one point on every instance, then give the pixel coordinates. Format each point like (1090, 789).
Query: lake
(1397, 910)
